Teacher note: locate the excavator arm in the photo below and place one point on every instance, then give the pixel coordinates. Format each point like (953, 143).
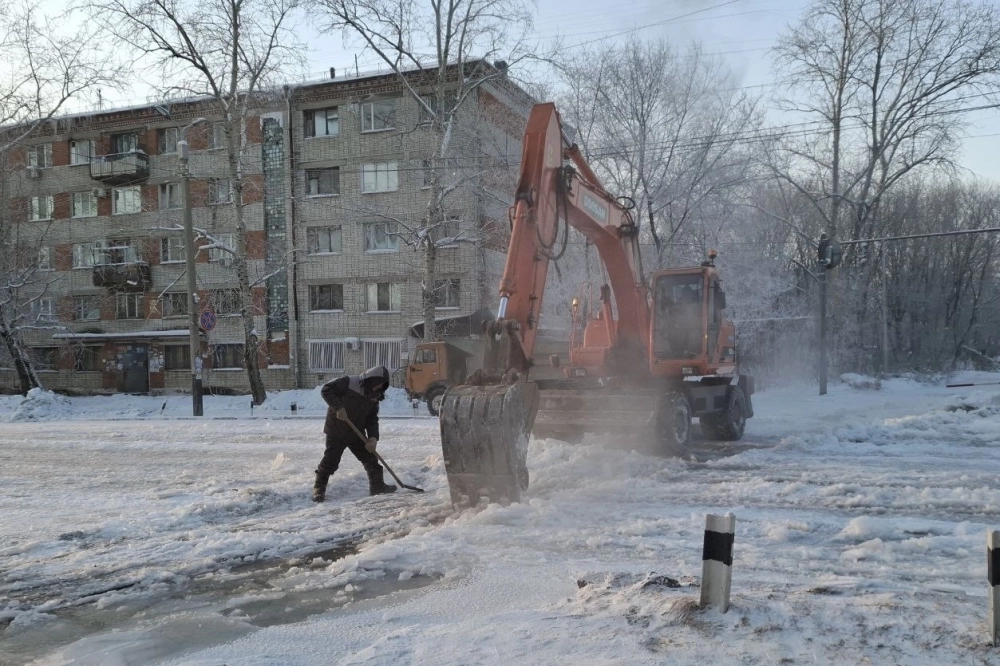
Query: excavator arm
(558, 188)
(486, 423)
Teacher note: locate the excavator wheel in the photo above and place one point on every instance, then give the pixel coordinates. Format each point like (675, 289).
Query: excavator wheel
(484, 439)
(674, 424)
(729, 424)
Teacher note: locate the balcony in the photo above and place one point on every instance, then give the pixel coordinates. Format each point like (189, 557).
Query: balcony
(123, 277)
(120, 168)
(119, 268)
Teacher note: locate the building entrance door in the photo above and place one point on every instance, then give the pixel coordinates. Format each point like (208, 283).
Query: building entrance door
(134, 360)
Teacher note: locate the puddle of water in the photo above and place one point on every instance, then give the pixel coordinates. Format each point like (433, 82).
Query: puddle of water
(211, 609)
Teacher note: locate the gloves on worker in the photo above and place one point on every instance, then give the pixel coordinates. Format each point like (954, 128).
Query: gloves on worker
(372, 443)
(341, 414)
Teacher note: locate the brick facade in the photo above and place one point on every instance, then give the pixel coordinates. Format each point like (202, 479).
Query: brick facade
(321, 254)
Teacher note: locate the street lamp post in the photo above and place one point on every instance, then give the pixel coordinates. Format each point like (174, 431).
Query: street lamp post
(189, 252)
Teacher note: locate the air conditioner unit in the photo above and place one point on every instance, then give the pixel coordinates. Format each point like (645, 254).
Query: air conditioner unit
(99, 192)
(352, 344)
(34, 172)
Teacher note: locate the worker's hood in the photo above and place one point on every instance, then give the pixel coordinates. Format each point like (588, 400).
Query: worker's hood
(375, 381)
(371, 383)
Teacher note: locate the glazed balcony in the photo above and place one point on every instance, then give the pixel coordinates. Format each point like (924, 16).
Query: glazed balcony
(120, 168)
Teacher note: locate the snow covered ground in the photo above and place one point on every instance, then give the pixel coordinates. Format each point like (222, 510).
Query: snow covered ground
(131, 533)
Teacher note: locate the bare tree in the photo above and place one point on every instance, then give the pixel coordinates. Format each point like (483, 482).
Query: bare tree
(443, 53)
(229, 52)
(666, 129)
(882, 85)
(43, 68)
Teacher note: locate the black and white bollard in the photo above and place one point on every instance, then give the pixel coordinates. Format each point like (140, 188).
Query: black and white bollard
(717, 561)
(993, 576)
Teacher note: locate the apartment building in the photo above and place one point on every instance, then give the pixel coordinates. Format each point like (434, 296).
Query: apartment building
(336, 174)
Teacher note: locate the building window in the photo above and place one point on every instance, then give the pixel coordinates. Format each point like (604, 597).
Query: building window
(126, 200)
(222, 255)
(378, 116)
(84, 204)
(381, 236)
(326, 297)
(170, 196)
(447, 169)
(41, 208)
(44, 358)
(129, 306)
(40, 156)
(172, 248)
(80, 151)
(121, 252)
(384, 297)
(322, 182)
(44, 259)
(85, 254)
(124, 143)
(380, 177)
(326, 355)
(321, 122)
(86, 308)
(227, 301)
(217, 136)
(87, 359)
(446, 233)
(447, 293)
(176, 357)
(227, 356)
(44, 309)
(219, 191)
(382, 352)
(175, 304)
(323, 240)
(166, 140)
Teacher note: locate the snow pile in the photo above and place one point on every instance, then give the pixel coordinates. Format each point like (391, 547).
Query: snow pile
(41, 405)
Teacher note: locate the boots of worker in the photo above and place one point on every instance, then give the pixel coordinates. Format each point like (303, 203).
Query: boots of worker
(376, 485)
(319, 487)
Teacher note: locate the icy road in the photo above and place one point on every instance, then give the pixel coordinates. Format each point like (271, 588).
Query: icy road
(155, 539)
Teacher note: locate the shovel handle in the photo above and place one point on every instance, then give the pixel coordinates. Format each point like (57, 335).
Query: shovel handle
(364, 440)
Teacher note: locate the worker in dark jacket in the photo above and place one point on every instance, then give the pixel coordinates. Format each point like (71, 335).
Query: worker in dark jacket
(353, 399)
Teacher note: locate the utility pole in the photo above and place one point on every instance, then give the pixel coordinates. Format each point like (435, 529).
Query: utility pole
(195, 342)
(829, 254)
(885, 312)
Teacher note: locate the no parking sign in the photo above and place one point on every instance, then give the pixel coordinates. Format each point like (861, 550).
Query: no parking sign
(207, 319)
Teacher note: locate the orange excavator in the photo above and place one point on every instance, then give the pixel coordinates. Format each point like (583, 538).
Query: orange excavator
(658, 351)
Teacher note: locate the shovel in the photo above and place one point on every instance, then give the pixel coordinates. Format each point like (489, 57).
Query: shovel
(364, 440)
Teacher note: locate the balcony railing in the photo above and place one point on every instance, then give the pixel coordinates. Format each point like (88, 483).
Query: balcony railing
(133, 276)
(120, 168)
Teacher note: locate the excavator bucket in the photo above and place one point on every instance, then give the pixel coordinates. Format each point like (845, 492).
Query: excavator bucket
(484, 438)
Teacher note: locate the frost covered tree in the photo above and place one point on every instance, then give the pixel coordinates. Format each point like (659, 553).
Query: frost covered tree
(443, 53)
(666, 129)
(43, 68)
(882, 86)
(234, 53)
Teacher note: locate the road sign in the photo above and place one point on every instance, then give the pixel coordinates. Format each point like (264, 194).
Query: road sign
(207, 319)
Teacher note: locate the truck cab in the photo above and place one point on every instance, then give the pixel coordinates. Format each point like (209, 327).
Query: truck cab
(435, 367)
